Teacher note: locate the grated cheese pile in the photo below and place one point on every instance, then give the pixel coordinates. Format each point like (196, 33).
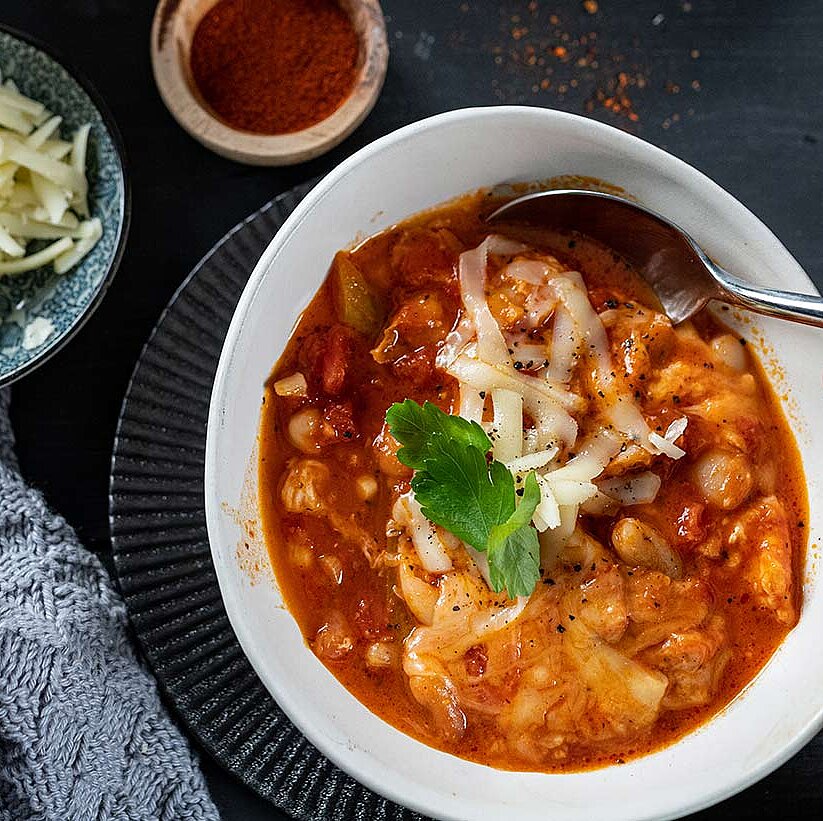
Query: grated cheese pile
(43, 188)
(477, 355)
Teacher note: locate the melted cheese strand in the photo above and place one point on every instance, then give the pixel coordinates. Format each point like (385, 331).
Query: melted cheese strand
(551, 420)
(471, 271)
(407, 514)
(507, 425)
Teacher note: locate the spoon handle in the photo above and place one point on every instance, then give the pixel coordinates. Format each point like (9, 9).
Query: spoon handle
(803, 308)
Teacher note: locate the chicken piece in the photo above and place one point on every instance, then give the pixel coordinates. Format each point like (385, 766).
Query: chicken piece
(333, 641)
(603, 605)
(426, 256)
(544, 715)
(418, 322)
(585, 553)
(385, 448)
(307, 488)
(693, 661)
(679, 378)
(640, 339)
(690, 524)
(632, 458)
(659, 606)
(628, 693)
(466, 613)
(309, 430)
(438, 694)
(761, 537)
(304, 486)
(518, 292)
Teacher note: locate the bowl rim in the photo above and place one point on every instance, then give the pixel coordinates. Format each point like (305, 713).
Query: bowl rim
(124, 222)
(685, 805)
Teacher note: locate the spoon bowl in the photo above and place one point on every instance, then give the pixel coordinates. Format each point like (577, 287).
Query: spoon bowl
(671, 261)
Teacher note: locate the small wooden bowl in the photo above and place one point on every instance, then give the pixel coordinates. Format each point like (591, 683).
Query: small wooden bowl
(172, 31)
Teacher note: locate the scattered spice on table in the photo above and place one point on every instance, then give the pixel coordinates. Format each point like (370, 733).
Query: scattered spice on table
(583, 57)
(274, 66)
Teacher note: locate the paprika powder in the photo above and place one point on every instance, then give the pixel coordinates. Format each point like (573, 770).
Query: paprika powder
(274, 66)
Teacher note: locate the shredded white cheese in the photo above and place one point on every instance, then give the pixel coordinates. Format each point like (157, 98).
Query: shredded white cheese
(43, 188)
(488, 363)
(430, 549)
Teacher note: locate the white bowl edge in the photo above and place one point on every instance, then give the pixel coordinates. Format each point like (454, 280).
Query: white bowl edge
(356, 740)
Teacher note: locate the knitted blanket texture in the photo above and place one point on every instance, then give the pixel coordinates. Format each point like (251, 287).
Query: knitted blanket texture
(83, 733)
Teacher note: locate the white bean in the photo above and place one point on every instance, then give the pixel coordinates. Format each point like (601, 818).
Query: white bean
(730, 351)
(724, 478)
(640, 545)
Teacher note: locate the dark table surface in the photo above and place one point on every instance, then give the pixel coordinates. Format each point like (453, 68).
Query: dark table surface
(733, 88)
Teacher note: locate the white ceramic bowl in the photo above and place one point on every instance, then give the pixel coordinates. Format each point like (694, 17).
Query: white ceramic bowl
(405, 172)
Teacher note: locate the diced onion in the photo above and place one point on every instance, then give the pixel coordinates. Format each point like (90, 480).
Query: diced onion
(294, 385)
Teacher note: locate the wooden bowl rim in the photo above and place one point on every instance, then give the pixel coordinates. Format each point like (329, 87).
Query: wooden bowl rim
(169, 57)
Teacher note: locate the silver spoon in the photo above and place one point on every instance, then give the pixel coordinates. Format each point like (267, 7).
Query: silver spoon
(678, 270)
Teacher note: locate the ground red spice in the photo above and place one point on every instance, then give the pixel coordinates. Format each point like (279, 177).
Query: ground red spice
(274, 66)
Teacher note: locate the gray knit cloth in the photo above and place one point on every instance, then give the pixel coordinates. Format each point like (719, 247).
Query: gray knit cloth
(83, 734)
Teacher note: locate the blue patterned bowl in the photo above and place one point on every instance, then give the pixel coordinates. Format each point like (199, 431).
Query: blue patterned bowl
(40, 311)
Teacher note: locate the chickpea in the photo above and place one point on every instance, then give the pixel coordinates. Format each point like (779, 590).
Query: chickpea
(304, 430)
(366, 487)
(381, 654)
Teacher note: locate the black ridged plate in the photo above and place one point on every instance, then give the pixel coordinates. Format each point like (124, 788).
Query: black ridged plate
(161, 548)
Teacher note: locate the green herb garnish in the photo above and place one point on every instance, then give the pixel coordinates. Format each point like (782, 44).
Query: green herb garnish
(461, 490)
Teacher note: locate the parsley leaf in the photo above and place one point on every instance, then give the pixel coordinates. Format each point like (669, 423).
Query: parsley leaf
(460, 490)
(413, 426)
(513, 549)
